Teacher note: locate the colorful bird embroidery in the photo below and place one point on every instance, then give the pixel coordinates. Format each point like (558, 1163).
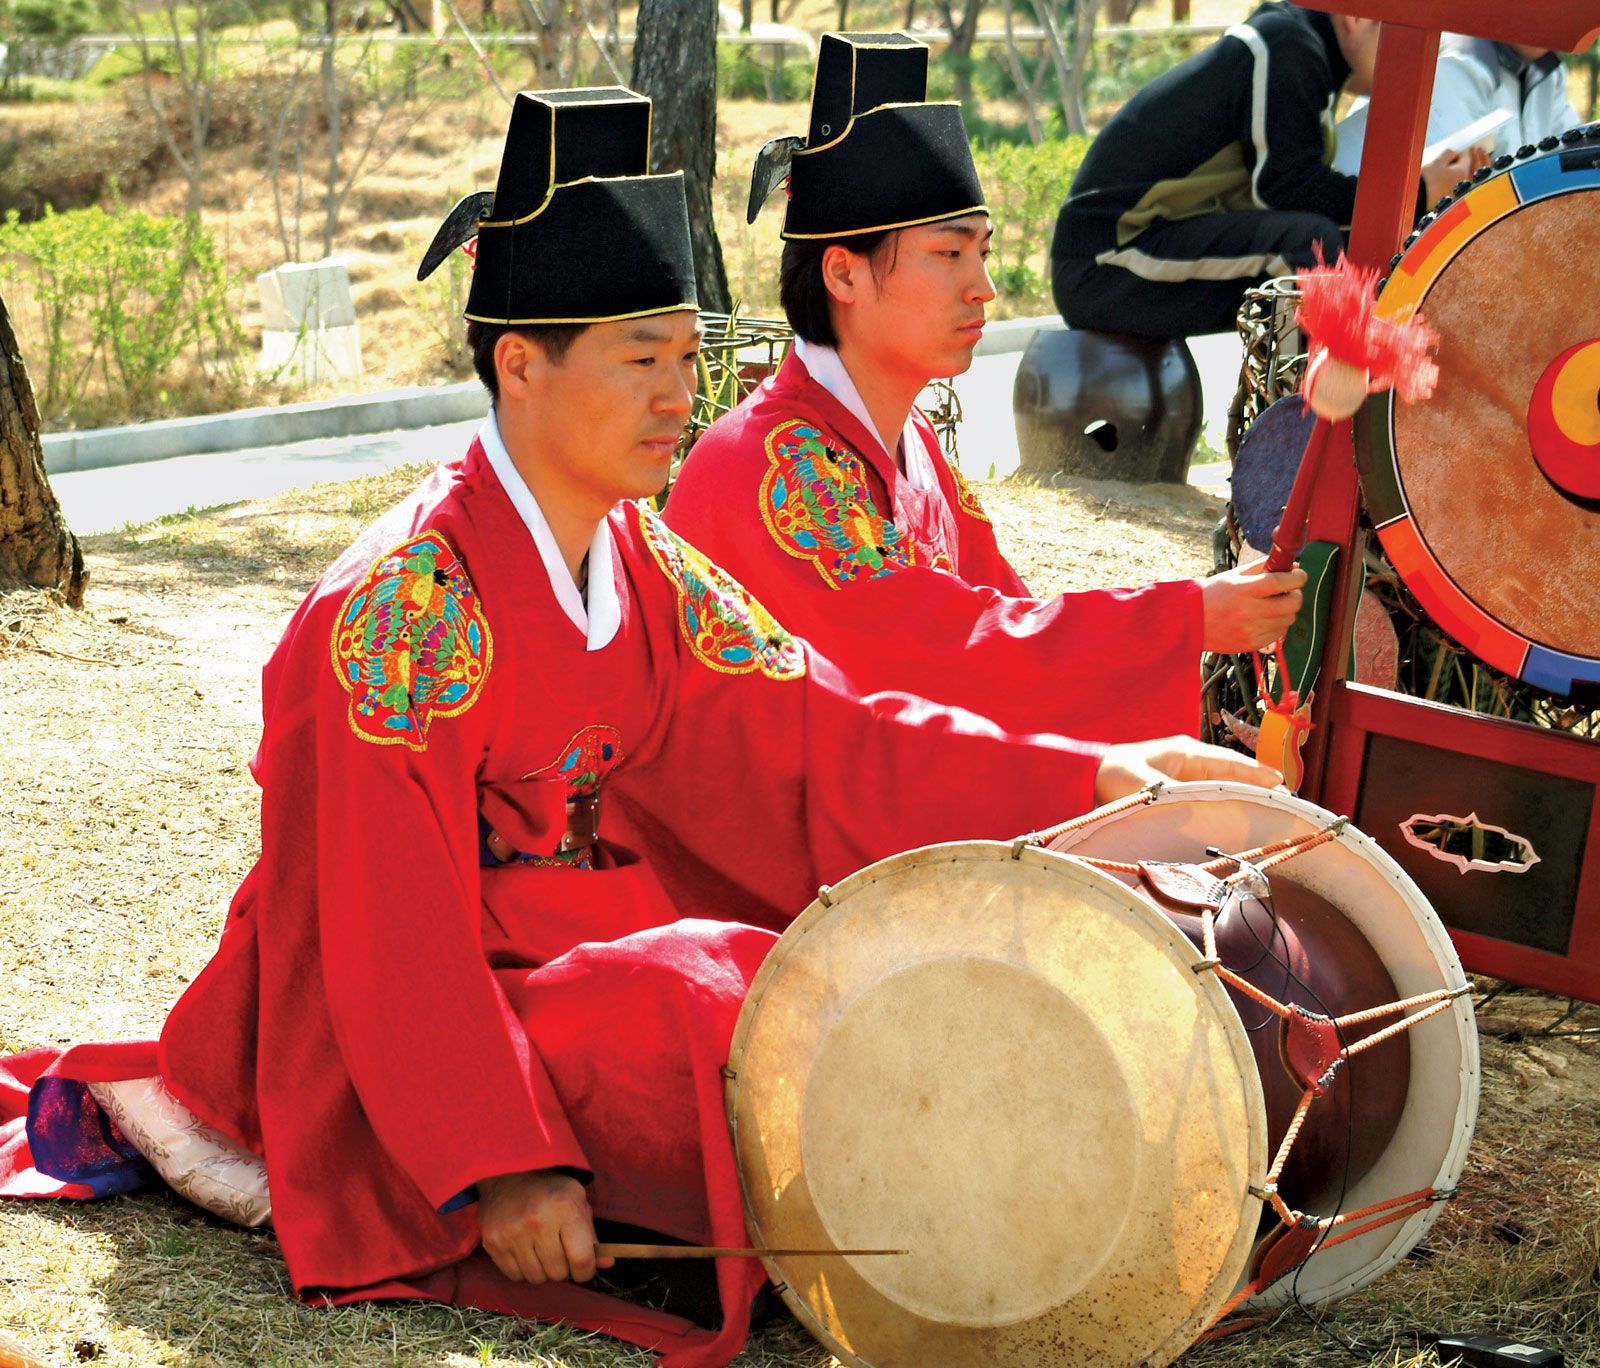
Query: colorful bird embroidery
(966, 500)
(585, 761)
(411, 643)
(817, 504)
(725, 628)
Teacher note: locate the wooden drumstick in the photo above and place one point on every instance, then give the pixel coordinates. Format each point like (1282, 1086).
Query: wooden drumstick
(661, 1251)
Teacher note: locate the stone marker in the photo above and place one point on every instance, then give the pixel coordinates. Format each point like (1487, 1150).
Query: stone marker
(308, 322)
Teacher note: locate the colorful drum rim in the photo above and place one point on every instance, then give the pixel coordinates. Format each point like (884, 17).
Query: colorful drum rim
(1564, 431)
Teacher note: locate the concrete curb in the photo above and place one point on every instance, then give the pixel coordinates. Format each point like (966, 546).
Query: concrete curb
(423, 406)
(418, 407)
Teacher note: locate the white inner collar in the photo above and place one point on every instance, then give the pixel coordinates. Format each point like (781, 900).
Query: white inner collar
(598, 616)
(826, 367)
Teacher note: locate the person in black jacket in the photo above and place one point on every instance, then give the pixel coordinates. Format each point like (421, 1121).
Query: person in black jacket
(1217, 176)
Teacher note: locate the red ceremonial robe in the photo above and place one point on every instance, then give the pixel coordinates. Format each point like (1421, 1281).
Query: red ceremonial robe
(387, 1021)
(906, 588)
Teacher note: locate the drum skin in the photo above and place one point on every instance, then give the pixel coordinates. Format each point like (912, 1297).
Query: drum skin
(1017, 1068)
(1264, 470)
(1003, 1061)
(1486, 496)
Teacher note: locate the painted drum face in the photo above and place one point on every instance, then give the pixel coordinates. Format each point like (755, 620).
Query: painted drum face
(1564, 421)
(1487, 497)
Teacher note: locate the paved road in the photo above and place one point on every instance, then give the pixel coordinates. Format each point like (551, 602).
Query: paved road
(106, 499)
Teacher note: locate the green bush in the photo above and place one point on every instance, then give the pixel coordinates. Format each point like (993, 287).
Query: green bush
(441, 300)
(1025, 186)
(746, 71)
(1124, 64)
(119, 298)
(57, 20)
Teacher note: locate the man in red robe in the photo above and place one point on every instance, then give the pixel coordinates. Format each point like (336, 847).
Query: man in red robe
(540, 786)
(827, 494)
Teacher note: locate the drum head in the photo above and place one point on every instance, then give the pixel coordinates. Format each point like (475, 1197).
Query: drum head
(1264, 470)
(1360, 882)
(1006, 1065)
(1487, 496)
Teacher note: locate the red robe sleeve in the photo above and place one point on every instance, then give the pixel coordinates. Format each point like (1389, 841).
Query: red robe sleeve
(370, 775)
(779, 501)
(774, 773)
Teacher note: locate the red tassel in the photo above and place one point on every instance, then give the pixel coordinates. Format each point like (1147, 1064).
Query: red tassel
(1403, 358)
(1337, 311)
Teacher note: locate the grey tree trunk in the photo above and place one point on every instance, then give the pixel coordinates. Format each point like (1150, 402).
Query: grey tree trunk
(330, 97)
(675, 64)
(36, 548)
(963, 32)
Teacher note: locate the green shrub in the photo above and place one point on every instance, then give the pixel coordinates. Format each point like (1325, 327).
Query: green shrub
(1025, 186)
(747, 71)
(1125, 63)
(118, 298)
(441, 300)
(57, 20)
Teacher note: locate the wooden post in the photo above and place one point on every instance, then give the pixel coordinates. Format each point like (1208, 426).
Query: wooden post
(1391, 167)
(675, 64)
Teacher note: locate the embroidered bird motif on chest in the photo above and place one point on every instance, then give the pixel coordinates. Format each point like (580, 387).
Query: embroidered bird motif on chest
(817, 502)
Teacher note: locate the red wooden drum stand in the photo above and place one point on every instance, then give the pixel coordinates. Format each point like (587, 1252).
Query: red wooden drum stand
(1398, 764)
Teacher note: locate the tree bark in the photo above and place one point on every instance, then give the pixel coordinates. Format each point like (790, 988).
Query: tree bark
(675, 64)
(963, 32)
(36, 548)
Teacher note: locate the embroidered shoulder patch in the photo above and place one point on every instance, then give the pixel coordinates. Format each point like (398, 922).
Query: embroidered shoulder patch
(587, 759)
(816, 502)
(966, 500)
(411, 644)
(725, 628)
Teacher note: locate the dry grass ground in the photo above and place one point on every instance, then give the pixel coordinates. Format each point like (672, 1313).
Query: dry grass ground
(131, 816)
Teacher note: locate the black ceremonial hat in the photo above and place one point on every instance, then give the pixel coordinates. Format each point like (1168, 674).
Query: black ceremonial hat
(877, 155)
(576, 230)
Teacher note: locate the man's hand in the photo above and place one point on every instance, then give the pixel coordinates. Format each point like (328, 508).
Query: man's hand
(1246, 609)
(537, 1226)
(1128, 768)
(1441, 176)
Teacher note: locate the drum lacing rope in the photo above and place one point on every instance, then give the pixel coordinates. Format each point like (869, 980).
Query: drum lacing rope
(1314, 1234)
(1387, 1212)
(1142, 798)
(1260, 859)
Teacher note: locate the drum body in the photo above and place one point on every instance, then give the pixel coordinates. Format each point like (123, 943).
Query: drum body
(1018, 1068)
(1428, 1120)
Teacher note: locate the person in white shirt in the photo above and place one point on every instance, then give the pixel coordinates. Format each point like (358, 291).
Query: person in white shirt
(1476, 78)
